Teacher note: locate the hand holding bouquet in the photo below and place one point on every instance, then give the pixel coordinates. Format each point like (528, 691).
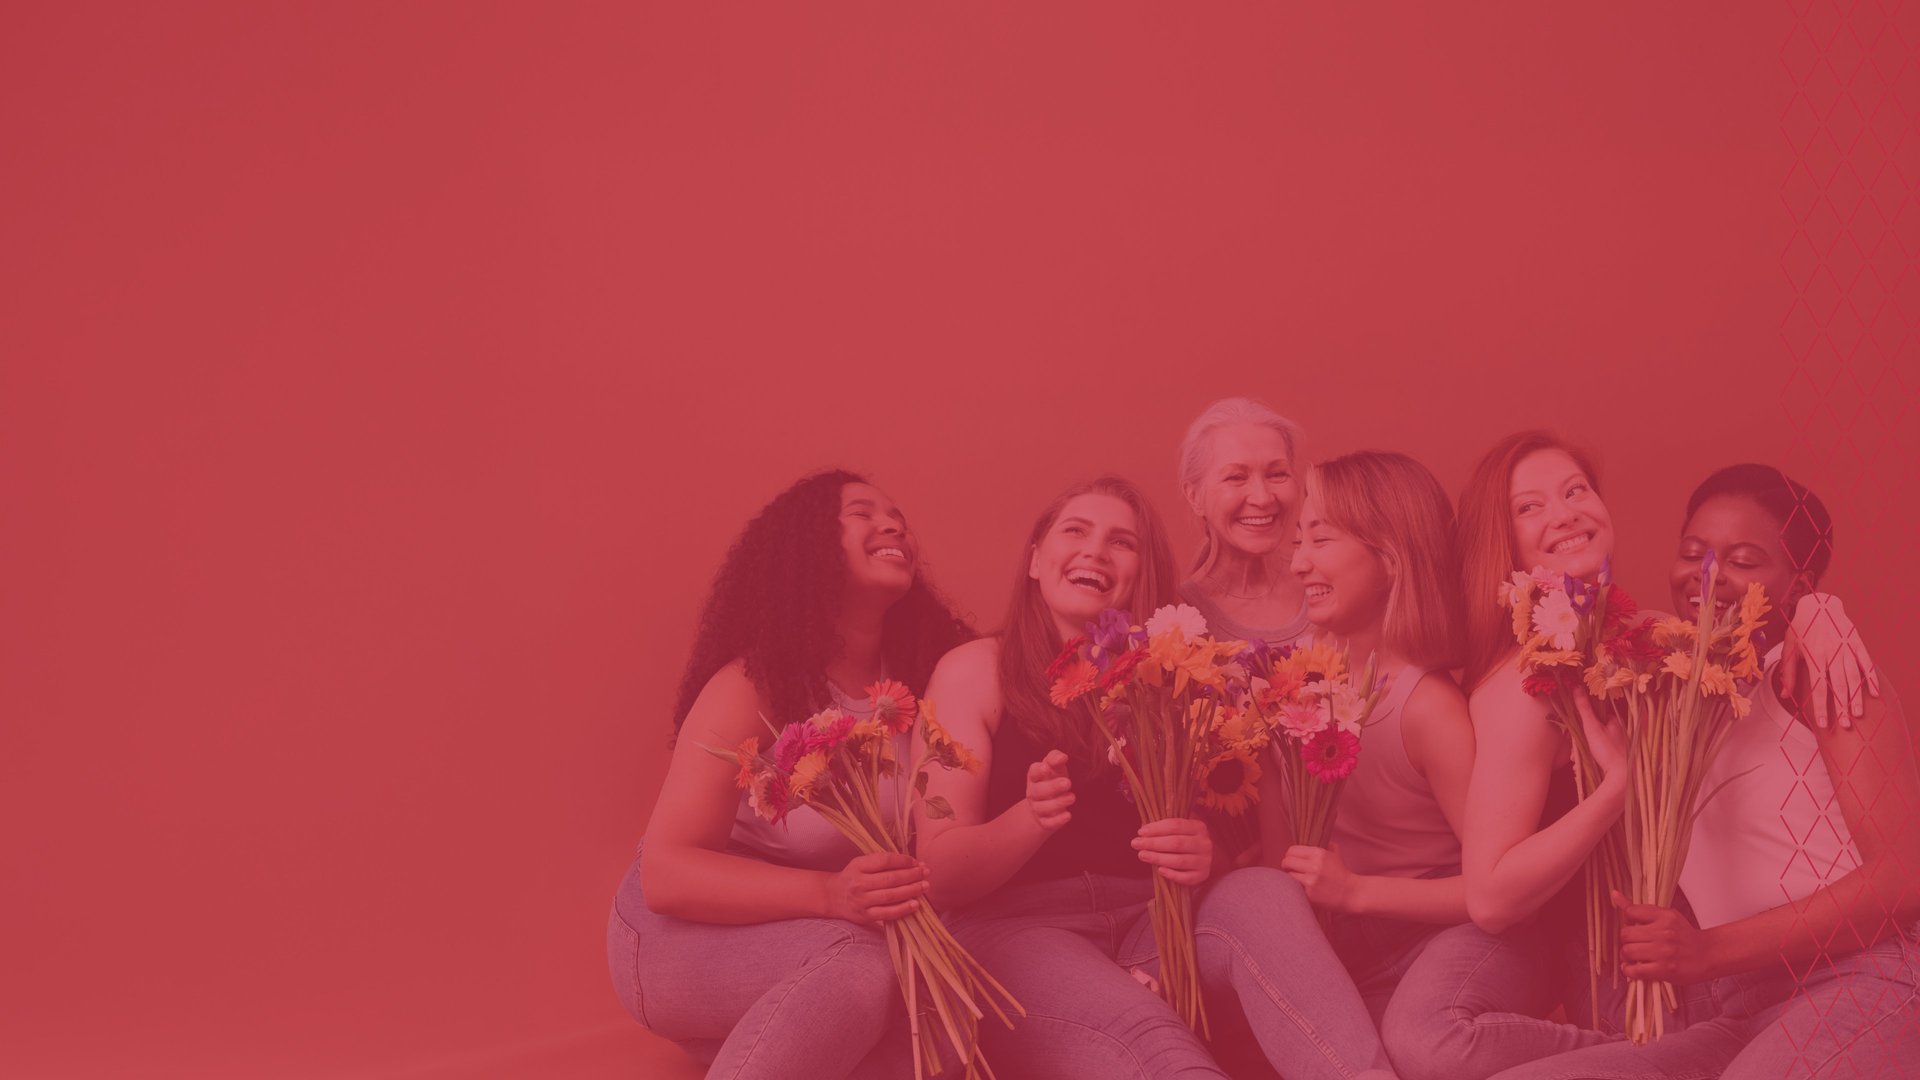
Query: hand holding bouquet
(834, 762)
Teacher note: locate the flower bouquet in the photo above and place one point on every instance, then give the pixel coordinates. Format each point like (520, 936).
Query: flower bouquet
(1165, 704)
(1574, 637)
(833, 762)
(1313, 699)
(1679, 715)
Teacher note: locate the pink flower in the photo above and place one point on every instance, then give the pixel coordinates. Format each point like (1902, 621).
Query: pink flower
(1301, 720)
(1181, 617)
(1332, 754)
(826, 729)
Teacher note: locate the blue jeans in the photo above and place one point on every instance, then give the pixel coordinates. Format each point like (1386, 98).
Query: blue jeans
(1471, 1004)
(1858, 1016)
(1065, 949)
(779, 999)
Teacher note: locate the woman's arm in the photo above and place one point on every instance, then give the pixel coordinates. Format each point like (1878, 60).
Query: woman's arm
(967, 854)
(1512, 868)
(685, 870)
(1873, 767)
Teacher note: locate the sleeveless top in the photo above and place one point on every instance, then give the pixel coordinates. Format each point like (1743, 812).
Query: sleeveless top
(1389, 822)
(1297, 632)
(804, 838)
(1097, 839)
(1769, 836)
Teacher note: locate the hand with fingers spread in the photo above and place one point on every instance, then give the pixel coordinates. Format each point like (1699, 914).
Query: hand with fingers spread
(1607, 739)
(1659, 944)
(872, 889)
(1322, 873)
(1050, 791)
(1180, 848)
(1839, 673)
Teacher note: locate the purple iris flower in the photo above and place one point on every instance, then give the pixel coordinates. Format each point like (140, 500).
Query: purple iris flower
(1580, 594)
(1109, 632)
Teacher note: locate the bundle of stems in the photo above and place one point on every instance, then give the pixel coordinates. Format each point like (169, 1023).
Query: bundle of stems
(1675, 728)
(1606, 866)
(1156, 738)
(943, 985)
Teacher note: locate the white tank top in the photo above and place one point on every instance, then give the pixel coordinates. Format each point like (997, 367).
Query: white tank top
(1773, 835)
(805, 838)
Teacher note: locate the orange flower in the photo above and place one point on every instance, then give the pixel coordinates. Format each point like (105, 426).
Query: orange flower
(808, 772)
(893, 704)
(748, 755)
(1077, 677)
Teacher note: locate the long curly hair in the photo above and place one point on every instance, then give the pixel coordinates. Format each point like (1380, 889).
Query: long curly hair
(776, 599)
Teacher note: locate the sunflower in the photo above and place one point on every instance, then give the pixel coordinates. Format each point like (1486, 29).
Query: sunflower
(1230, 782)
(950, 753)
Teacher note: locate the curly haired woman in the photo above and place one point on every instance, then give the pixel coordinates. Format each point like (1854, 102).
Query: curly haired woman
(756, 946)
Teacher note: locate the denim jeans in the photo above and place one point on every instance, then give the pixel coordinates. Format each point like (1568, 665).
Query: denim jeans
(1858, 1016)
(796, 997)
(1471, 1003)
(1066, 949)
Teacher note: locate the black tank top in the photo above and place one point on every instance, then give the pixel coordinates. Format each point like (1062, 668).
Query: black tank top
(1099, 836)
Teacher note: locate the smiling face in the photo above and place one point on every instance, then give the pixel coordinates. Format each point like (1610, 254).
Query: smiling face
(880, 549)
(1746, 542)
(1088, 559)
(1248, 495)
(1558, 519)
(1347, 582)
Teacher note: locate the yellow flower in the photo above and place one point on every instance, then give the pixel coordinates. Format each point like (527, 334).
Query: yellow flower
(1715, 680)
(1538, 657)
(1741, 705)
(1230, 782)
(949, 752)
(1678, 664)
(806, 773)
(1674, 633)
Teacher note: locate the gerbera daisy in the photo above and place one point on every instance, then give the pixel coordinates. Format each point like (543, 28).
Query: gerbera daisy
(1331, 754)
(1555, 619)
(893, 704)
(1230, 782)
(1075, 679)
(1182, 617)
(769, 797)
(749, 756)
(1301, 720)
(807, 773)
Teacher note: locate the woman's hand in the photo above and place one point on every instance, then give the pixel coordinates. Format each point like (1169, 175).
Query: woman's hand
(1659, 944)
(1838, 667)
(1606, 739)
(872, 889)
(1181, 848)
(1322, 873)
(1050, 791)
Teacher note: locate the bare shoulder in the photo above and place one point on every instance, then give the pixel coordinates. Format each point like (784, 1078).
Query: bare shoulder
(1436, 699)
(966, 684)
(1501, 704)
(728, 707)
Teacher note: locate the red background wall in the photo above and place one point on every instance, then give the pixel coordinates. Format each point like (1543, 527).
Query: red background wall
(382, 383)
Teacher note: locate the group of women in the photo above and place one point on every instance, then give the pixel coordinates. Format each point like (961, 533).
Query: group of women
(1429, 939)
